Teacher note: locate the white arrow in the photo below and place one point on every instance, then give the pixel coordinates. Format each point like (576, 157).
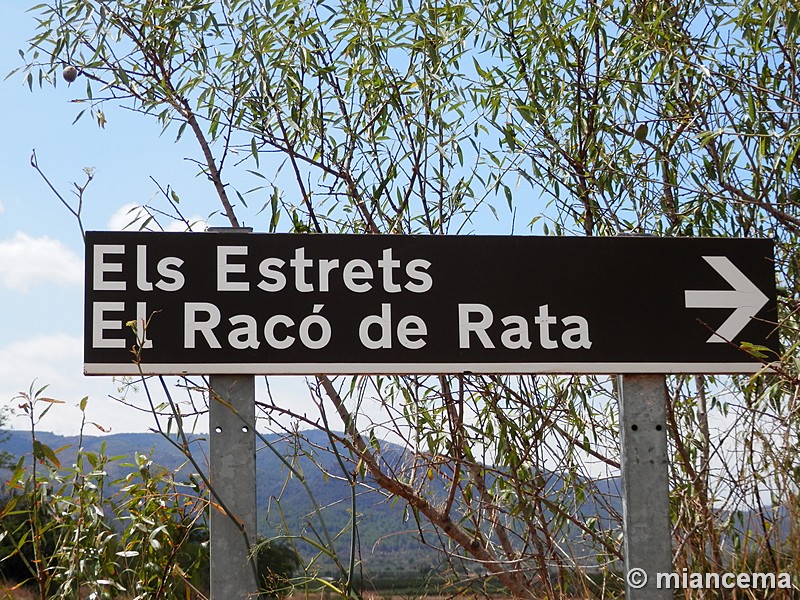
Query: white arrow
(745, 298)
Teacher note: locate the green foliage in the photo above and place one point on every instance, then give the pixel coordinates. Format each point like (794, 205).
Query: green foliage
(163, 543)
(593, 118)
(67, 535)
(17, 525)
(6, 459)
(70, 530)
(344, 92)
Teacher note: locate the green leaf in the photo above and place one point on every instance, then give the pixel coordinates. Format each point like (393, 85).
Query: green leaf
(241, 198)
(528, 113)
(44, 453)
(276, 215)
(254, 150)
(80, 114)
(181, 129)
(756, 351)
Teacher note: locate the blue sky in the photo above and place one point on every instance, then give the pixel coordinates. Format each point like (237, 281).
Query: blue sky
(41, 252)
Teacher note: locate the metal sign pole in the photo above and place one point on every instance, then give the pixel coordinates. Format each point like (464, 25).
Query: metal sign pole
(233, 526)
(647, 532)
(233, 478)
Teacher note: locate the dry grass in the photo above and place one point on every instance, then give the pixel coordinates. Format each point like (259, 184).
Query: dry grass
(387, 596)
(7, 592)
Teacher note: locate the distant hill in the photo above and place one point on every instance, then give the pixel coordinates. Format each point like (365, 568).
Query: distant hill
(388, 539)
(388, 535)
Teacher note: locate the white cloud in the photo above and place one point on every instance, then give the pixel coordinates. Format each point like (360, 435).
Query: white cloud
(2, 208)
(26, 261)
(197, 223)
(127, 216)
(132, 217)
(56, 361)
(46, 358)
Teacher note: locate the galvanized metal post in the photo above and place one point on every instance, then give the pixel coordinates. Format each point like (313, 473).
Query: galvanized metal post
(645, 485)
(233, 478)
(232, 450)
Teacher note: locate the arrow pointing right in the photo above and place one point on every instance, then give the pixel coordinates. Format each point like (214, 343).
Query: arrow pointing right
(745, 298)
